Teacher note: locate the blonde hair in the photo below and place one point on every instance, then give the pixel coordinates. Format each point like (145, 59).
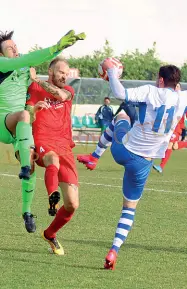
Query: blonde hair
(56, 60)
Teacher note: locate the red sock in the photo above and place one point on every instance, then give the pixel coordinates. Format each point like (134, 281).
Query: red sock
(182, 144)
(51, 179)
(62, 217)
(167, 156)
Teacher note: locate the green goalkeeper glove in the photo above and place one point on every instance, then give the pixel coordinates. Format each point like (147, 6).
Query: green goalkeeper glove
(66, 41)
(80, 36)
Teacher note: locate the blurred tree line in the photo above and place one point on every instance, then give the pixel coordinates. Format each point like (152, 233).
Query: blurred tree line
(140, 66)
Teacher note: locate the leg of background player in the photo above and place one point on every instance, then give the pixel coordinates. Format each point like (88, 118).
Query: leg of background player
(164, 161)
(180, 145)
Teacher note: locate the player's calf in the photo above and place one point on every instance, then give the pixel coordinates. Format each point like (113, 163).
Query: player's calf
(71, 205)
(19, 125)
(51, 162)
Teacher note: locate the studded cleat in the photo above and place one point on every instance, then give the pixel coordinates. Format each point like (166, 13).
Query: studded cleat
(25, 173)
(110, 260)
(158, 169)
(54, 244)
(54, 199)
(29, 222)
(88, 160)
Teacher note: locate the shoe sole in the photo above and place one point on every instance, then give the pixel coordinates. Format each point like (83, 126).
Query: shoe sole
(157, 170)
(85, 163)
(53, 202)
(24, 177)
(33, 230)
(51, 249)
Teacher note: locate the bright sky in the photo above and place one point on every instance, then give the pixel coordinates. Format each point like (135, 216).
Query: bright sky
(127, 24)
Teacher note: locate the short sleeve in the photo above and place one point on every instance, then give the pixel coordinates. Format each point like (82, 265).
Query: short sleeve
(32, 94)
(138, 94)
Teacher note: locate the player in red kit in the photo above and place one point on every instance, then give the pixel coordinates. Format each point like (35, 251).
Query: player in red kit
(50, 105)
(174, 143)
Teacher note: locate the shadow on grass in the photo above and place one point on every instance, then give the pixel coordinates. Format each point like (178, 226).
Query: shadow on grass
(107, 245)
(20, 250)
(83, 267)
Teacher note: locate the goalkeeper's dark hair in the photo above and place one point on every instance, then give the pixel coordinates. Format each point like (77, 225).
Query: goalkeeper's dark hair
(171, 75)
(4, 36)
(56, 60)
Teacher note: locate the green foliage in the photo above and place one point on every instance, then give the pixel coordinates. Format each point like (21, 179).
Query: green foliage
(137, 65)
(184, 72)
(88, 65)
(141, 66)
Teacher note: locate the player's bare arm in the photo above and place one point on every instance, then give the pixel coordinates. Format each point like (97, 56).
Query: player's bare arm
(59, 93)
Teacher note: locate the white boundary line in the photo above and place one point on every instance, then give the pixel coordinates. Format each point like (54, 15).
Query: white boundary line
(120, 179)
(104, 185)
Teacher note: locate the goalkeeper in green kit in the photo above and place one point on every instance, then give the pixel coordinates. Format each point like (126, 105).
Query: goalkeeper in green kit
(15, 125)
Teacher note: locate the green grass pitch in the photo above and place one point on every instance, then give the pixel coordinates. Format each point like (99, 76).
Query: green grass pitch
(154, 255)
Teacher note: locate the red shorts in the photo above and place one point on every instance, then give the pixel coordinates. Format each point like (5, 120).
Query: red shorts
(175, 137)
(67, 172)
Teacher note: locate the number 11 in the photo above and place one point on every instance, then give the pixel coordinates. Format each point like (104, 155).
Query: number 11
(160, 113)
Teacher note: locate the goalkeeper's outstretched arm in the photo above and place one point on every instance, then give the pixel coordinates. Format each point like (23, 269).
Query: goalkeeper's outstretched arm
(38, 57)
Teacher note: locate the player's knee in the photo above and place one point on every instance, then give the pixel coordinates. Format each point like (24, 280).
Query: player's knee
(72, 205)
(170, 146)
(175, 146)
(122, 116)
(51, 159)
(54, 160)
(24, 116)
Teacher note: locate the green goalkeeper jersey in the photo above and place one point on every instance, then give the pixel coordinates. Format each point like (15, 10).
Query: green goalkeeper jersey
(15, 79)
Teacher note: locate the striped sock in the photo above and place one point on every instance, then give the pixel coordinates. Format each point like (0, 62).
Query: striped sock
(105, 141)
(123, 228)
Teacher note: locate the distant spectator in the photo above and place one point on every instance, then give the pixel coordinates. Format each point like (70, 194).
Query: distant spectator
(104, 114)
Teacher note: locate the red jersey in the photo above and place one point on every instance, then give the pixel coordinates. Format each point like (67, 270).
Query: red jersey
(52, 124)
(179, 127)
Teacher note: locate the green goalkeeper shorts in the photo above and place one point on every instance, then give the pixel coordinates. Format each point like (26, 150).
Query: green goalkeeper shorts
(5, 135)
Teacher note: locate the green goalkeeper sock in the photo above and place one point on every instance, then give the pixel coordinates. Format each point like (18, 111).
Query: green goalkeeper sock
(24, 136)
(28, 187)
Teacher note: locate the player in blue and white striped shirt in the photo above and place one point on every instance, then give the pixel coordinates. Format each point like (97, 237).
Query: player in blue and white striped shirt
(160, 109)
